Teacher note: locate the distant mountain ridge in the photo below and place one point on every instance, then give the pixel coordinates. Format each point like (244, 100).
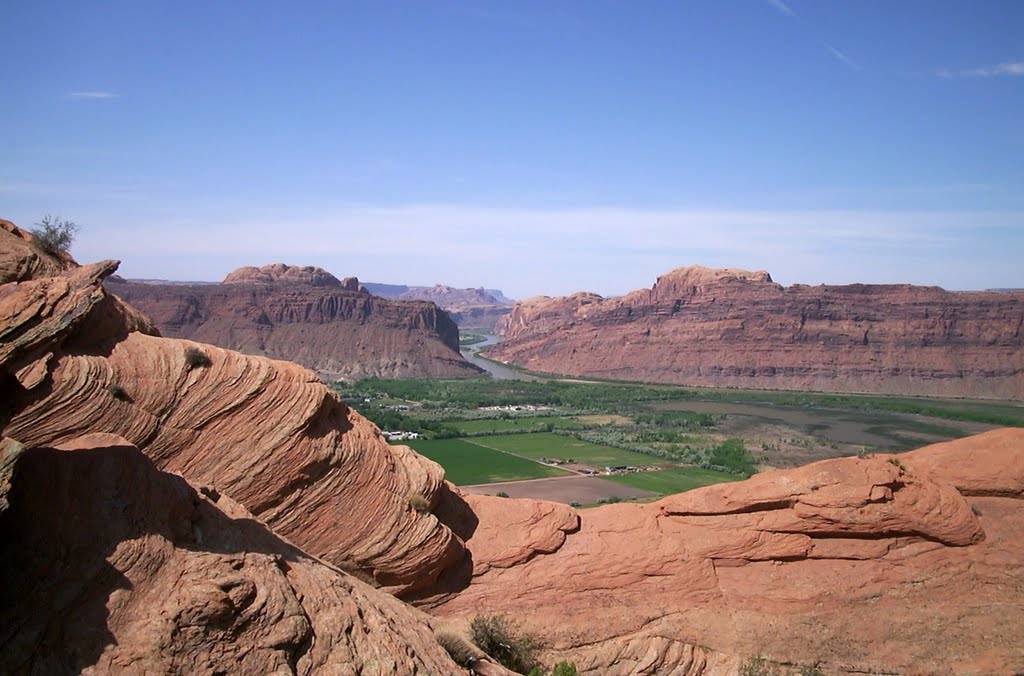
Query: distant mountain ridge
(478, 308)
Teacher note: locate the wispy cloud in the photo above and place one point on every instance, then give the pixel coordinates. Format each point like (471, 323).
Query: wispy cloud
(1006, 68)
(782, 7)
(840, 56)
(94, 94)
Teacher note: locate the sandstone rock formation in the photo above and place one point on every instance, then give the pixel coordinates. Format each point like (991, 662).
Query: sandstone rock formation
(733, 328)
(856, 565)
(111, 566)
(280, 273)
(306, 315)
(479, 309)
(900, 564)
(268, 433)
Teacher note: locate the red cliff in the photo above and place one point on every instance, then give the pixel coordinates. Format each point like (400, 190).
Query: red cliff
(732, 328)
(306, 315)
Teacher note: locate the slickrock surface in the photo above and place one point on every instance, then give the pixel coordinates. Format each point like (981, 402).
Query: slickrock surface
(857, 565)
(698, 326)
(111, 566)
(306, 315)
(74, 360)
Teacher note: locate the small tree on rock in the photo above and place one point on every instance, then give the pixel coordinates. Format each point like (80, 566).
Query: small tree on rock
(54, 234)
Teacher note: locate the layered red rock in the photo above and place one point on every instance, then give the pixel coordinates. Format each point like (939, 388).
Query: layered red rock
(111, 566)
(76, 360)
(859, 565)
(306, 315)
(732, 328)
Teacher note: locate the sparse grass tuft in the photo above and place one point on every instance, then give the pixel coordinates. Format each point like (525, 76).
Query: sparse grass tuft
(418, 502)
(460, 649)
(196, 358)
(759, 666)
(897, 464)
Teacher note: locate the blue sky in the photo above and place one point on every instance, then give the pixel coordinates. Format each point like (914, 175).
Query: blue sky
(537, 147)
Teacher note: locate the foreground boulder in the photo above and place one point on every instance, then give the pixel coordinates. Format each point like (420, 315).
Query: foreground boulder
(734, 328)
(854, 565)
(111, 566)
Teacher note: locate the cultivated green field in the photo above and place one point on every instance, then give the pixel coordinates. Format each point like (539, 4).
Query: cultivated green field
(548, 445)
(669, 481)
(537, 423)
(466, 463)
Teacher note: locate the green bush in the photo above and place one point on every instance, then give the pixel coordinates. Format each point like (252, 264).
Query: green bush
(564, 669)
(732, 456)
(499, 637)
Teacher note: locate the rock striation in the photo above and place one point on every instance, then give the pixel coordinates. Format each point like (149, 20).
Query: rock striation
(306, 315)
(853, 565)
(733, 328)
(115, 565)
(76, 360)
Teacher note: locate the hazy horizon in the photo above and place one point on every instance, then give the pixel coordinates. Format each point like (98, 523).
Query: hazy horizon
(532, 147)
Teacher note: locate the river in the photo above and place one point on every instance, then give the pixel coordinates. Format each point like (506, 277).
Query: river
(495, 370)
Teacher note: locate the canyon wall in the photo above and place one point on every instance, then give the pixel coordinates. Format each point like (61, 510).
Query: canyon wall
(306, 315)
(733, 328)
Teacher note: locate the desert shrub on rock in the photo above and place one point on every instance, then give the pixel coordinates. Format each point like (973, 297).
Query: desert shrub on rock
(196, 358)
(55, 235)
(500, 638)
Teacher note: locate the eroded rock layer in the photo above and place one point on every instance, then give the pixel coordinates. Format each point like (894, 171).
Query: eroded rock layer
(111, 566)
(75, 360)
(864, 565)
(734, 328)
(306, 315)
